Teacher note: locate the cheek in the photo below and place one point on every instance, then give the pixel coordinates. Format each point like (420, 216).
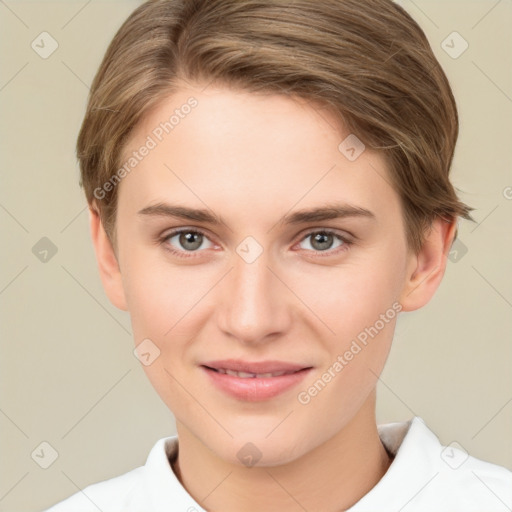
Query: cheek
(361, 309)
(352, 296)
(358, 302)
(157, 293)
(165, 305)
(160, 299)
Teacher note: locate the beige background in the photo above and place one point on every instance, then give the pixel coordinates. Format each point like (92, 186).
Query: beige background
(68, 373)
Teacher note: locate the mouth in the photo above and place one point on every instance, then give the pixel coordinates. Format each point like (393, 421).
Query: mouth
(254, 381)
(248, 375)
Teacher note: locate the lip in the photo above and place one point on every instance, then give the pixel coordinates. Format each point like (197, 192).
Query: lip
(254, 389)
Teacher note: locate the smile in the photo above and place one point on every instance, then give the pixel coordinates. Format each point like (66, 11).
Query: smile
(256, 381)
(246, 375)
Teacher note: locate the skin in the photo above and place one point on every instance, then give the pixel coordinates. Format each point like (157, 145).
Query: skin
(253, 159)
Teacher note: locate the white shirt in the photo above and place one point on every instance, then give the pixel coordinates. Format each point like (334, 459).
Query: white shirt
(423, 477)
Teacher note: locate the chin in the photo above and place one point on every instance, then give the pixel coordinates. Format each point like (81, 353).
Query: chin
(261, 451)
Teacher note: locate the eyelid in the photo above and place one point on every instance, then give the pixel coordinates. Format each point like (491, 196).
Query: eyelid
(347, 242)
(345, 235)
(187, 229)
(184, 229)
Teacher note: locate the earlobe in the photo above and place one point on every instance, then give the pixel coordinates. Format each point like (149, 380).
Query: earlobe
(108, 265)
(426, 269)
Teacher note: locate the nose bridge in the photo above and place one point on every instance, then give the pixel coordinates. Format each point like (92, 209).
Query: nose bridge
(255, 304)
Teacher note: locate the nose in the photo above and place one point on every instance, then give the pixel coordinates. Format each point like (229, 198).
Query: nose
(255, 304)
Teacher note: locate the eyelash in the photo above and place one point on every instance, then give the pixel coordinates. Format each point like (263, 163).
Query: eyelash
(346, 243)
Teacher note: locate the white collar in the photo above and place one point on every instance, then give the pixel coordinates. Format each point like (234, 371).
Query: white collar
(419, 477)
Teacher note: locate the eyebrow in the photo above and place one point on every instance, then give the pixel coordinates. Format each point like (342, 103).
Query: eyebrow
(316, 214)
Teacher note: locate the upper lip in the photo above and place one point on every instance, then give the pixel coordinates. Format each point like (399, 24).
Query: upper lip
(238, 365)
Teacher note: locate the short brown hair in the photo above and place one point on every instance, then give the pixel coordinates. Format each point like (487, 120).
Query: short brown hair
(367, 61)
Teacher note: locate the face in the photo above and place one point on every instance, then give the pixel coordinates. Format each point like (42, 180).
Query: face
(257, 276)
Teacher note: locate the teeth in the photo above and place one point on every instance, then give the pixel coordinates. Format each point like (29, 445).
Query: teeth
(246, 375)
(240, 374)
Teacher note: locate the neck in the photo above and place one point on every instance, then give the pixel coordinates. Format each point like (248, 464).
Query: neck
(332, 477)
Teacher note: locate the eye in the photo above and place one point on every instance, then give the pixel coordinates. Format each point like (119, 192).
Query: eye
(187, 242)
(326, 241)
(182, 241)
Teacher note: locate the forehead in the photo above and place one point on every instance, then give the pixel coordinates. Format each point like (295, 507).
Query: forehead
(248, 152)
(220, 117)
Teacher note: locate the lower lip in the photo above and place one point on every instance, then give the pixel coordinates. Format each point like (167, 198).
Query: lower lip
(253, 389)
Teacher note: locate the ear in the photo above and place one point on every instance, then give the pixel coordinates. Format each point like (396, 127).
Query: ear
(426, 269)
(108, 265)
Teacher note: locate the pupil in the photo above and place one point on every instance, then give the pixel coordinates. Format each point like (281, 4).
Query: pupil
(188, 238)
(323, 245)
